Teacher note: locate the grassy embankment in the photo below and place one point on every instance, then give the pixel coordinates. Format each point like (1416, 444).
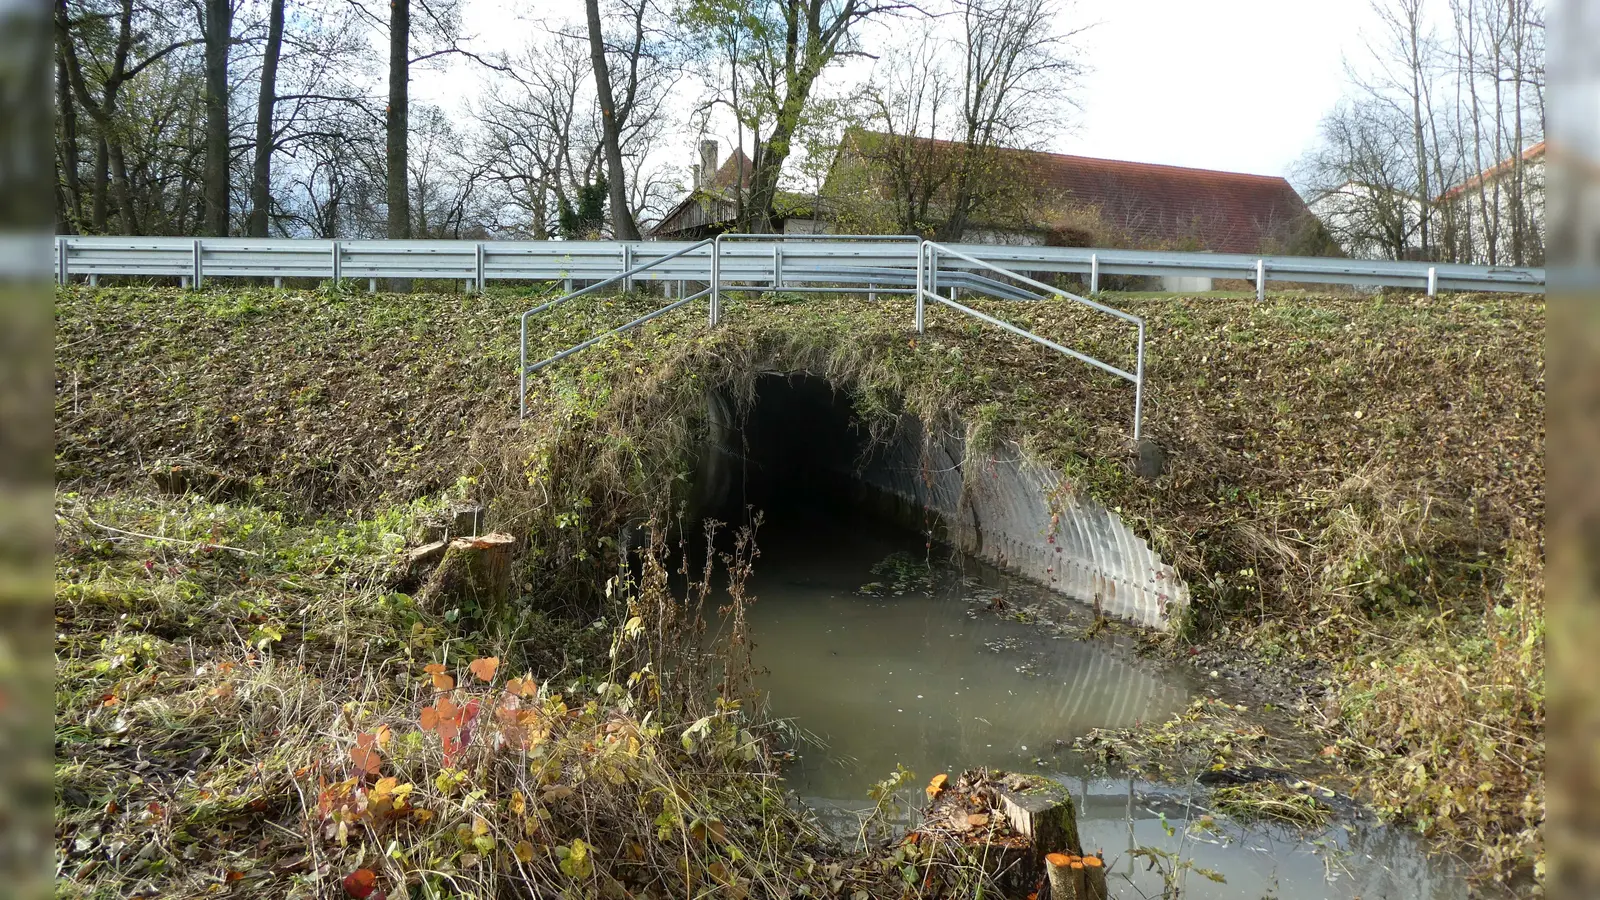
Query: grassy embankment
(1354, 490)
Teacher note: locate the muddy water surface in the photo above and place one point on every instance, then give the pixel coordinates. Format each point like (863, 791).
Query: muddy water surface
(923, 673)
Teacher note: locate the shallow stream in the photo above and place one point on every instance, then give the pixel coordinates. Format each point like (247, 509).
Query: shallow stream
(924, 673)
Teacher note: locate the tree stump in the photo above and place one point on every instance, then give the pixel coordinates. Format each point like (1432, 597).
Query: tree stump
(1042, 811)
(474, 574)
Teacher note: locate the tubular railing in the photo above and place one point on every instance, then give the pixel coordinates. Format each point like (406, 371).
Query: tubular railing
(626, 275)
(777, 263)
(928, 287)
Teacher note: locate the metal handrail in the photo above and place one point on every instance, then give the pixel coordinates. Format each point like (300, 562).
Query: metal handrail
(777, 257)
(928, 260)
(524, 370)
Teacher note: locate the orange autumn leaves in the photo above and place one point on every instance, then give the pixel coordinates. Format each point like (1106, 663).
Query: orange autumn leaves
(453, 721)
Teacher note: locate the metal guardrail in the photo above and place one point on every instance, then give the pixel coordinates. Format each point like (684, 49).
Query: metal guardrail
(809, 276)
(929, 290)
(824, 260)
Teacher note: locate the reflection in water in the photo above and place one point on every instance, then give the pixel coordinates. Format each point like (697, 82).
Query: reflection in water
(940, 684)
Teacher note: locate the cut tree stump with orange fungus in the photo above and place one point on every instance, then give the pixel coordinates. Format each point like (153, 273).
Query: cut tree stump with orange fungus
(1076, 877)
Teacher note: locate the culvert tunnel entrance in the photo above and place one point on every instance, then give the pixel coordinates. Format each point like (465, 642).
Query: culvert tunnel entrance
(794, 451)
(790, 452)
(889, 647)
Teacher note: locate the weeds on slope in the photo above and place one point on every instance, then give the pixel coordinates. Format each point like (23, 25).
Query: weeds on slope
(1347, 480)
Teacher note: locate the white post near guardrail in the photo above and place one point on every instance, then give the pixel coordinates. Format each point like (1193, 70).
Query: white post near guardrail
(627, 263)
(714, 308)
(924, 256)
(1261, 280)
(1094, 273)
(1433, 281)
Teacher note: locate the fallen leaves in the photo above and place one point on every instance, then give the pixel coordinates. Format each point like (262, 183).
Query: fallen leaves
(936, 785)
(362, 884)
(484, 669)
(365, 753)
(442, 680)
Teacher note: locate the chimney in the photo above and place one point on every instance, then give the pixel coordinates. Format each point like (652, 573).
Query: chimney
(708, 165)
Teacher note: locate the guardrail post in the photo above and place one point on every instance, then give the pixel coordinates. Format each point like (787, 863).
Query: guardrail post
(1261, 280)
(372, 285)
(872, 293)
(478, 266)
(1094, 273)
(336, 265)
(61, 260)
(277, 281)
(627, 263)
(777, 266)
(1433, 281)
(94, 281)
(197, 267)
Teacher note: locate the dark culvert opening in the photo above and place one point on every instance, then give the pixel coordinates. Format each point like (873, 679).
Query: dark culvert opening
(790, 454)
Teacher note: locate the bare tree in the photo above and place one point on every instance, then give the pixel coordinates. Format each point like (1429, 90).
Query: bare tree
(611, 119)
(266, 106)
(218, 24)
(1362, 180)
(1017, 71)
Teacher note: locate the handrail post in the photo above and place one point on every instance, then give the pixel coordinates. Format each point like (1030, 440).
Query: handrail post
(1433, 280)
(777, 266)
(716, 281)
(1261, 280)
(1138, 386)
(1094, 273)
(197, 266)
(627, 263)
(336, 273)
(61, 259)
(522, 372)
(478, 265)
(922, 262)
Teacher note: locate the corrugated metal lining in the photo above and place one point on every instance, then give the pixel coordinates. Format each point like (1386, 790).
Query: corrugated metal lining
(1019, 514)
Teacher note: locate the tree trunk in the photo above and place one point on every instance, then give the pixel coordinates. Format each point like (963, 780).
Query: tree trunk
(1413, 13)
(623, 227)
(266, 102)
(397, 122)
(123, 189)
(72, 198)
(219, 28)
(100, 210)
(1519, 230)
(771, 156)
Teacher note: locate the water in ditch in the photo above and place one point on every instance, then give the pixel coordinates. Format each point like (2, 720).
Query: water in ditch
(932, 679)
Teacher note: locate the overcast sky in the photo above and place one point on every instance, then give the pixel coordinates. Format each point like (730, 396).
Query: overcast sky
(1237, 85)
